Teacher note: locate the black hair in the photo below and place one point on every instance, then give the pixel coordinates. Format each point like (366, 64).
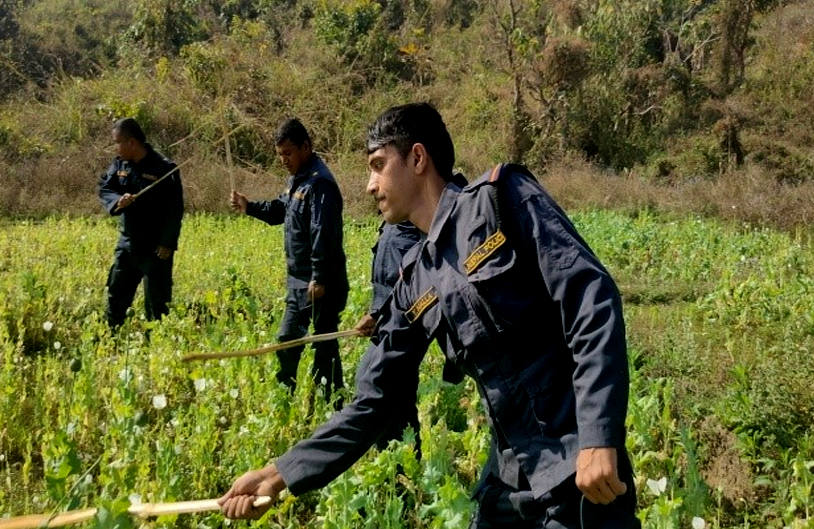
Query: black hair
(405, 125)
(129, 128)
(291, 129)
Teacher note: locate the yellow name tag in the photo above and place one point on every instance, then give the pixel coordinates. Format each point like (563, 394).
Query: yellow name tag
(482, 252)
(427, 300)
(149, 177)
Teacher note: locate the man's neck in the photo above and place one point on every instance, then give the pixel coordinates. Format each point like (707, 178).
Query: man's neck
(424, 212)
(140, 155)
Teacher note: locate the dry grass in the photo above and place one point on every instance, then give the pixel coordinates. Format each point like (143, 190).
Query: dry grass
(68, 186)
(744, 195)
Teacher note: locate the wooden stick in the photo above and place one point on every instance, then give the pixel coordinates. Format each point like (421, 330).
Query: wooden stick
(271, 348)
(144, 510)
(228, 154)
(147, 510)
(47, 520)
(156, 182)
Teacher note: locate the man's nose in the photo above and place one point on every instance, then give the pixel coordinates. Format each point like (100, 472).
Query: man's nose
(372, 185)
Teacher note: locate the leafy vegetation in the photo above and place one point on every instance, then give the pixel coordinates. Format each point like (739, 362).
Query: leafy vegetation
(720, 422)
(679, 131)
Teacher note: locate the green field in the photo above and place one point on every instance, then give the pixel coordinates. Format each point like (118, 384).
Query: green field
(721, 328)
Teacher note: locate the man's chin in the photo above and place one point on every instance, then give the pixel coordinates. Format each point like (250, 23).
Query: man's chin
(391, 219)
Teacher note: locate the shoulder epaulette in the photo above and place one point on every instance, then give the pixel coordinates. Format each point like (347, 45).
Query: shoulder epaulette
(500, 171)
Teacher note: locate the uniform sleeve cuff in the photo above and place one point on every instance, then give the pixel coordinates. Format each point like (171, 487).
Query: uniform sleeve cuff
(601, 436)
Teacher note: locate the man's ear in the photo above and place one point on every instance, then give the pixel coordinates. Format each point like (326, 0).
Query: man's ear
(421, 158)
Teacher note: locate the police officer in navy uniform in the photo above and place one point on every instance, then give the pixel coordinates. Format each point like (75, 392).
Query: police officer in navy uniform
(392, 244)
(149, 226)
(311, 213)
(517, 301)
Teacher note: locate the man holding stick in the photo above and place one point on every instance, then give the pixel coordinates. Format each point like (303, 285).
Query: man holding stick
(518, 301)
(149, 226)
(311, 213)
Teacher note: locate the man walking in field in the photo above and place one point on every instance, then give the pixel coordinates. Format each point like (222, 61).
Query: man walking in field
(149, 226)
(311, 213)
(517, 300)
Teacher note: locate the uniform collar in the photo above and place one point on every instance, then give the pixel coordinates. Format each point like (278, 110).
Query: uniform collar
(445, 205)
(309, 167)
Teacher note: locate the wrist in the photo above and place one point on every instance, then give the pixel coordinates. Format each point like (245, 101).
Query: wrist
(274, 479)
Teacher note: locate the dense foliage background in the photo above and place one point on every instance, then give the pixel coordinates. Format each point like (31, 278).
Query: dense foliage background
(617, 102)
(679, 133)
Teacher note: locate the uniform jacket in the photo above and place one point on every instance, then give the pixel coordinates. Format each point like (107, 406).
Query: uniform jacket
(311, 213)
(393, 243)
(154, 219)
(516, 300)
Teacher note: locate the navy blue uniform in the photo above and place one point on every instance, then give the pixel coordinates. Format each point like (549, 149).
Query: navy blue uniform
(151, 221)
(311, 214)
(393, 243)
(518, 301)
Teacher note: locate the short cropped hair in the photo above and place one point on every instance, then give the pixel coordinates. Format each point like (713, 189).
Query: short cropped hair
(292, 130)
(129, 128)
(405, 125)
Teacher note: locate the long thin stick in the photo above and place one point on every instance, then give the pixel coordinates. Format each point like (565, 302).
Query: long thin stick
(228, 153)
(144, 510)
(157, 181)
(46, 520)
(271, 348)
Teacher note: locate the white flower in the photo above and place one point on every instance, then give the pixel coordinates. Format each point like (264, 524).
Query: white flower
(698, 523)
(200, 384)
(135, 499)
(47, 326)
(57, 346)
(125, 374)
(234, 393)
(657, 487)
(160, 401)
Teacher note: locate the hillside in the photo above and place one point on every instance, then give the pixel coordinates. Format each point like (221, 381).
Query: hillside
(679, 105)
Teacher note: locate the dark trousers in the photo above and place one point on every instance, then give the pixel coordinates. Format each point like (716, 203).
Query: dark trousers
(126, 273)
(563, 508)
(299, 312)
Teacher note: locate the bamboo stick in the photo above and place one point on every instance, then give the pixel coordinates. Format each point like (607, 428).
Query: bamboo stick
(147, 510)
(156, 182)
(143, 510)
(271, 348)
(48, 520)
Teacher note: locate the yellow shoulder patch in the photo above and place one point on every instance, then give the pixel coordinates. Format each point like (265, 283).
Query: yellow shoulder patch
(121, 173)
(482, 252)
(298, 195)
(427, 300)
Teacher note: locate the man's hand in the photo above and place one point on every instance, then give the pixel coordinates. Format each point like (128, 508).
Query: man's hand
(365, 325)
(598, 475)
(315, 291)
(125, 200)
(163, 252)
(237, 503)
(238, 201)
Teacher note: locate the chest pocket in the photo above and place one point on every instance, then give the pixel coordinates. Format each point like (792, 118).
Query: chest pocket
(510, 289)
(297, 200)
